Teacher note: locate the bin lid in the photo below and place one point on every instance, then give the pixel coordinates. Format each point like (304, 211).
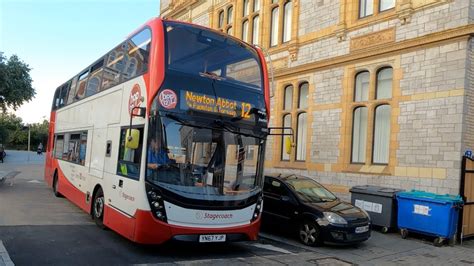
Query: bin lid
(418, 194)
(375, 190)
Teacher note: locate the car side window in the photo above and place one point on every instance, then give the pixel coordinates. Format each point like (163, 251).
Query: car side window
(276, 188)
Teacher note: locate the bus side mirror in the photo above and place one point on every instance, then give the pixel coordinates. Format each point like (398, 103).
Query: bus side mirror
(132, 138)
(287, 145)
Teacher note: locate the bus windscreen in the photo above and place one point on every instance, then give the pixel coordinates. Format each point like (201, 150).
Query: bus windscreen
(195, 50)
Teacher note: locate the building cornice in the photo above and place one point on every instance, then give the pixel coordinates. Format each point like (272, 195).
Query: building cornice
(463, 32)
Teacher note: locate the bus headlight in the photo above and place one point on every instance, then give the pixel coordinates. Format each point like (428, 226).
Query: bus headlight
(258, 208)
(156, 203)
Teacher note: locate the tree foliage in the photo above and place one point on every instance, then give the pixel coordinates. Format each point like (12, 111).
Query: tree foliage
(14, 133)
(15, 83)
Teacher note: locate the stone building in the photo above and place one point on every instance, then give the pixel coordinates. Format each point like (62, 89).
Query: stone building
(378, 91)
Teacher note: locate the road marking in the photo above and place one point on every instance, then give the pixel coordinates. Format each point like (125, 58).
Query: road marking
(271, 247)
(34, 181)
(4, 257)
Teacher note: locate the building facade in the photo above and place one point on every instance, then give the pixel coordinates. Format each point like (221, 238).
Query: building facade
(378, 92)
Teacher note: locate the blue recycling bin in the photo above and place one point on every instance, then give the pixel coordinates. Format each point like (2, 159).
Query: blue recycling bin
(429, 214)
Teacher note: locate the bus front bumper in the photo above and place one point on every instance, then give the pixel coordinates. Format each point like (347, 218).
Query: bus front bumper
(149, 230)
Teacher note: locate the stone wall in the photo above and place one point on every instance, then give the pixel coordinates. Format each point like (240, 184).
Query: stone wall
(468, 135)
(317, 14)
(202, 20)
(438, 18)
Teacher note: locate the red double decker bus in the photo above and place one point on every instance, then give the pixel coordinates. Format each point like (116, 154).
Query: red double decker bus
(164, 136)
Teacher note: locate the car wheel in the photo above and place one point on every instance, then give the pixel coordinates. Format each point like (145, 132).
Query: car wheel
(98, 208)
(309, 233)
(384, 230)
(55, 186)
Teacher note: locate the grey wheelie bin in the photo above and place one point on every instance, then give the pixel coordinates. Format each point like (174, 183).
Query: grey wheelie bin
(379, 202)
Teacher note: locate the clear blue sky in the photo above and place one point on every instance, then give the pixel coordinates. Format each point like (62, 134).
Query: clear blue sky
(59, 38)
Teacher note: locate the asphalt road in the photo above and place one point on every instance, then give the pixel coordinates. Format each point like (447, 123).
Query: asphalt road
(39, 229)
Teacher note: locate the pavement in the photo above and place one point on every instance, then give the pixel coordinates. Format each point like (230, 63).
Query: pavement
(37, 228)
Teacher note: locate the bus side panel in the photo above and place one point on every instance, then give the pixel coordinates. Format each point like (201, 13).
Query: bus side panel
(119, 222)
(48, 169)
(68, 190)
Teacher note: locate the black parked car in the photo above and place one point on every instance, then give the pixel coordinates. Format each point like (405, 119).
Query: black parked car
(308, 208)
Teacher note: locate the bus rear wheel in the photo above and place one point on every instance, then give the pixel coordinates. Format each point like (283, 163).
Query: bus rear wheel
(98, 208)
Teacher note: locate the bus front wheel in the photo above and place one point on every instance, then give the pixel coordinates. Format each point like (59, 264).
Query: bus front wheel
(55, 186)
(98, 208)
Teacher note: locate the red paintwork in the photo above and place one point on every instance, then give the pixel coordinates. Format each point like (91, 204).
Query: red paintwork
(143, 227)
(149, 230)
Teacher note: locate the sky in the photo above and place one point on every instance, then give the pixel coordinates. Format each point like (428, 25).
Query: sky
(59, 38)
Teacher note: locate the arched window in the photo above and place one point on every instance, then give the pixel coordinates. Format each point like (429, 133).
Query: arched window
(274, 27)
(229, 30)
(301, 137)
(221, 18)
(288, 98)
(246, 7)
(359, 135)
(132, 67)
(111, 59)
(303, 96)
(287, 17)
(384, 83)
(361, 93)
(381, 134)
(92, 86)
(120, 63)
(256, 5)
(255, 31)
(245, 31)
(286, 123)
(229, 14)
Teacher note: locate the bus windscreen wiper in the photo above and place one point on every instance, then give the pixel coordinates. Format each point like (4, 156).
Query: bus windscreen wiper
(211, 75)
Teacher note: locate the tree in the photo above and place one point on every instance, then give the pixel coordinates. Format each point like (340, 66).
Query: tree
(15, 83)
(9, 123)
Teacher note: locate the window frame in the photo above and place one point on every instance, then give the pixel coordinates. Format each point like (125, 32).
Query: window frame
(377, 73)
(74, 82)
(373, 134)
(355, 86)
(297, 139)
(284, 29)
(141, 142)
(352, 135)
(388, 9)
(63, 134)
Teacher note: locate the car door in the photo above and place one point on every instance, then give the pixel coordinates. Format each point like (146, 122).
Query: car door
(279, 203)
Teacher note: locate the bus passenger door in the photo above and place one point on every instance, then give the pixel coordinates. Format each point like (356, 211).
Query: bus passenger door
(125, 184)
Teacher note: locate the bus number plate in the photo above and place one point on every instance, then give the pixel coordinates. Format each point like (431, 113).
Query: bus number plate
(211, 238)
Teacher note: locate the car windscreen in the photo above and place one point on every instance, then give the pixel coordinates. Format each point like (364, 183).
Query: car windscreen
(310, 191)
(200, 51)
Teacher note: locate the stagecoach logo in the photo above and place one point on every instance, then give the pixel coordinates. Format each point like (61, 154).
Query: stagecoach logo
(135, 98)
(168, 99)
(200, 215)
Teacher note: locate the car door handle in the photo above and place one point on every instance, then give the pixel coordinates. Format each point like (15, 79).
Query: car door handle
(114, 186)
(120, 183)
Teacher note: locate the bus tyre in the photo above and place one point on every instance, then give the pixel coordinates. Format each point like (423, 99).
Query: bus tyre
(55, 186)
(98, 208)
